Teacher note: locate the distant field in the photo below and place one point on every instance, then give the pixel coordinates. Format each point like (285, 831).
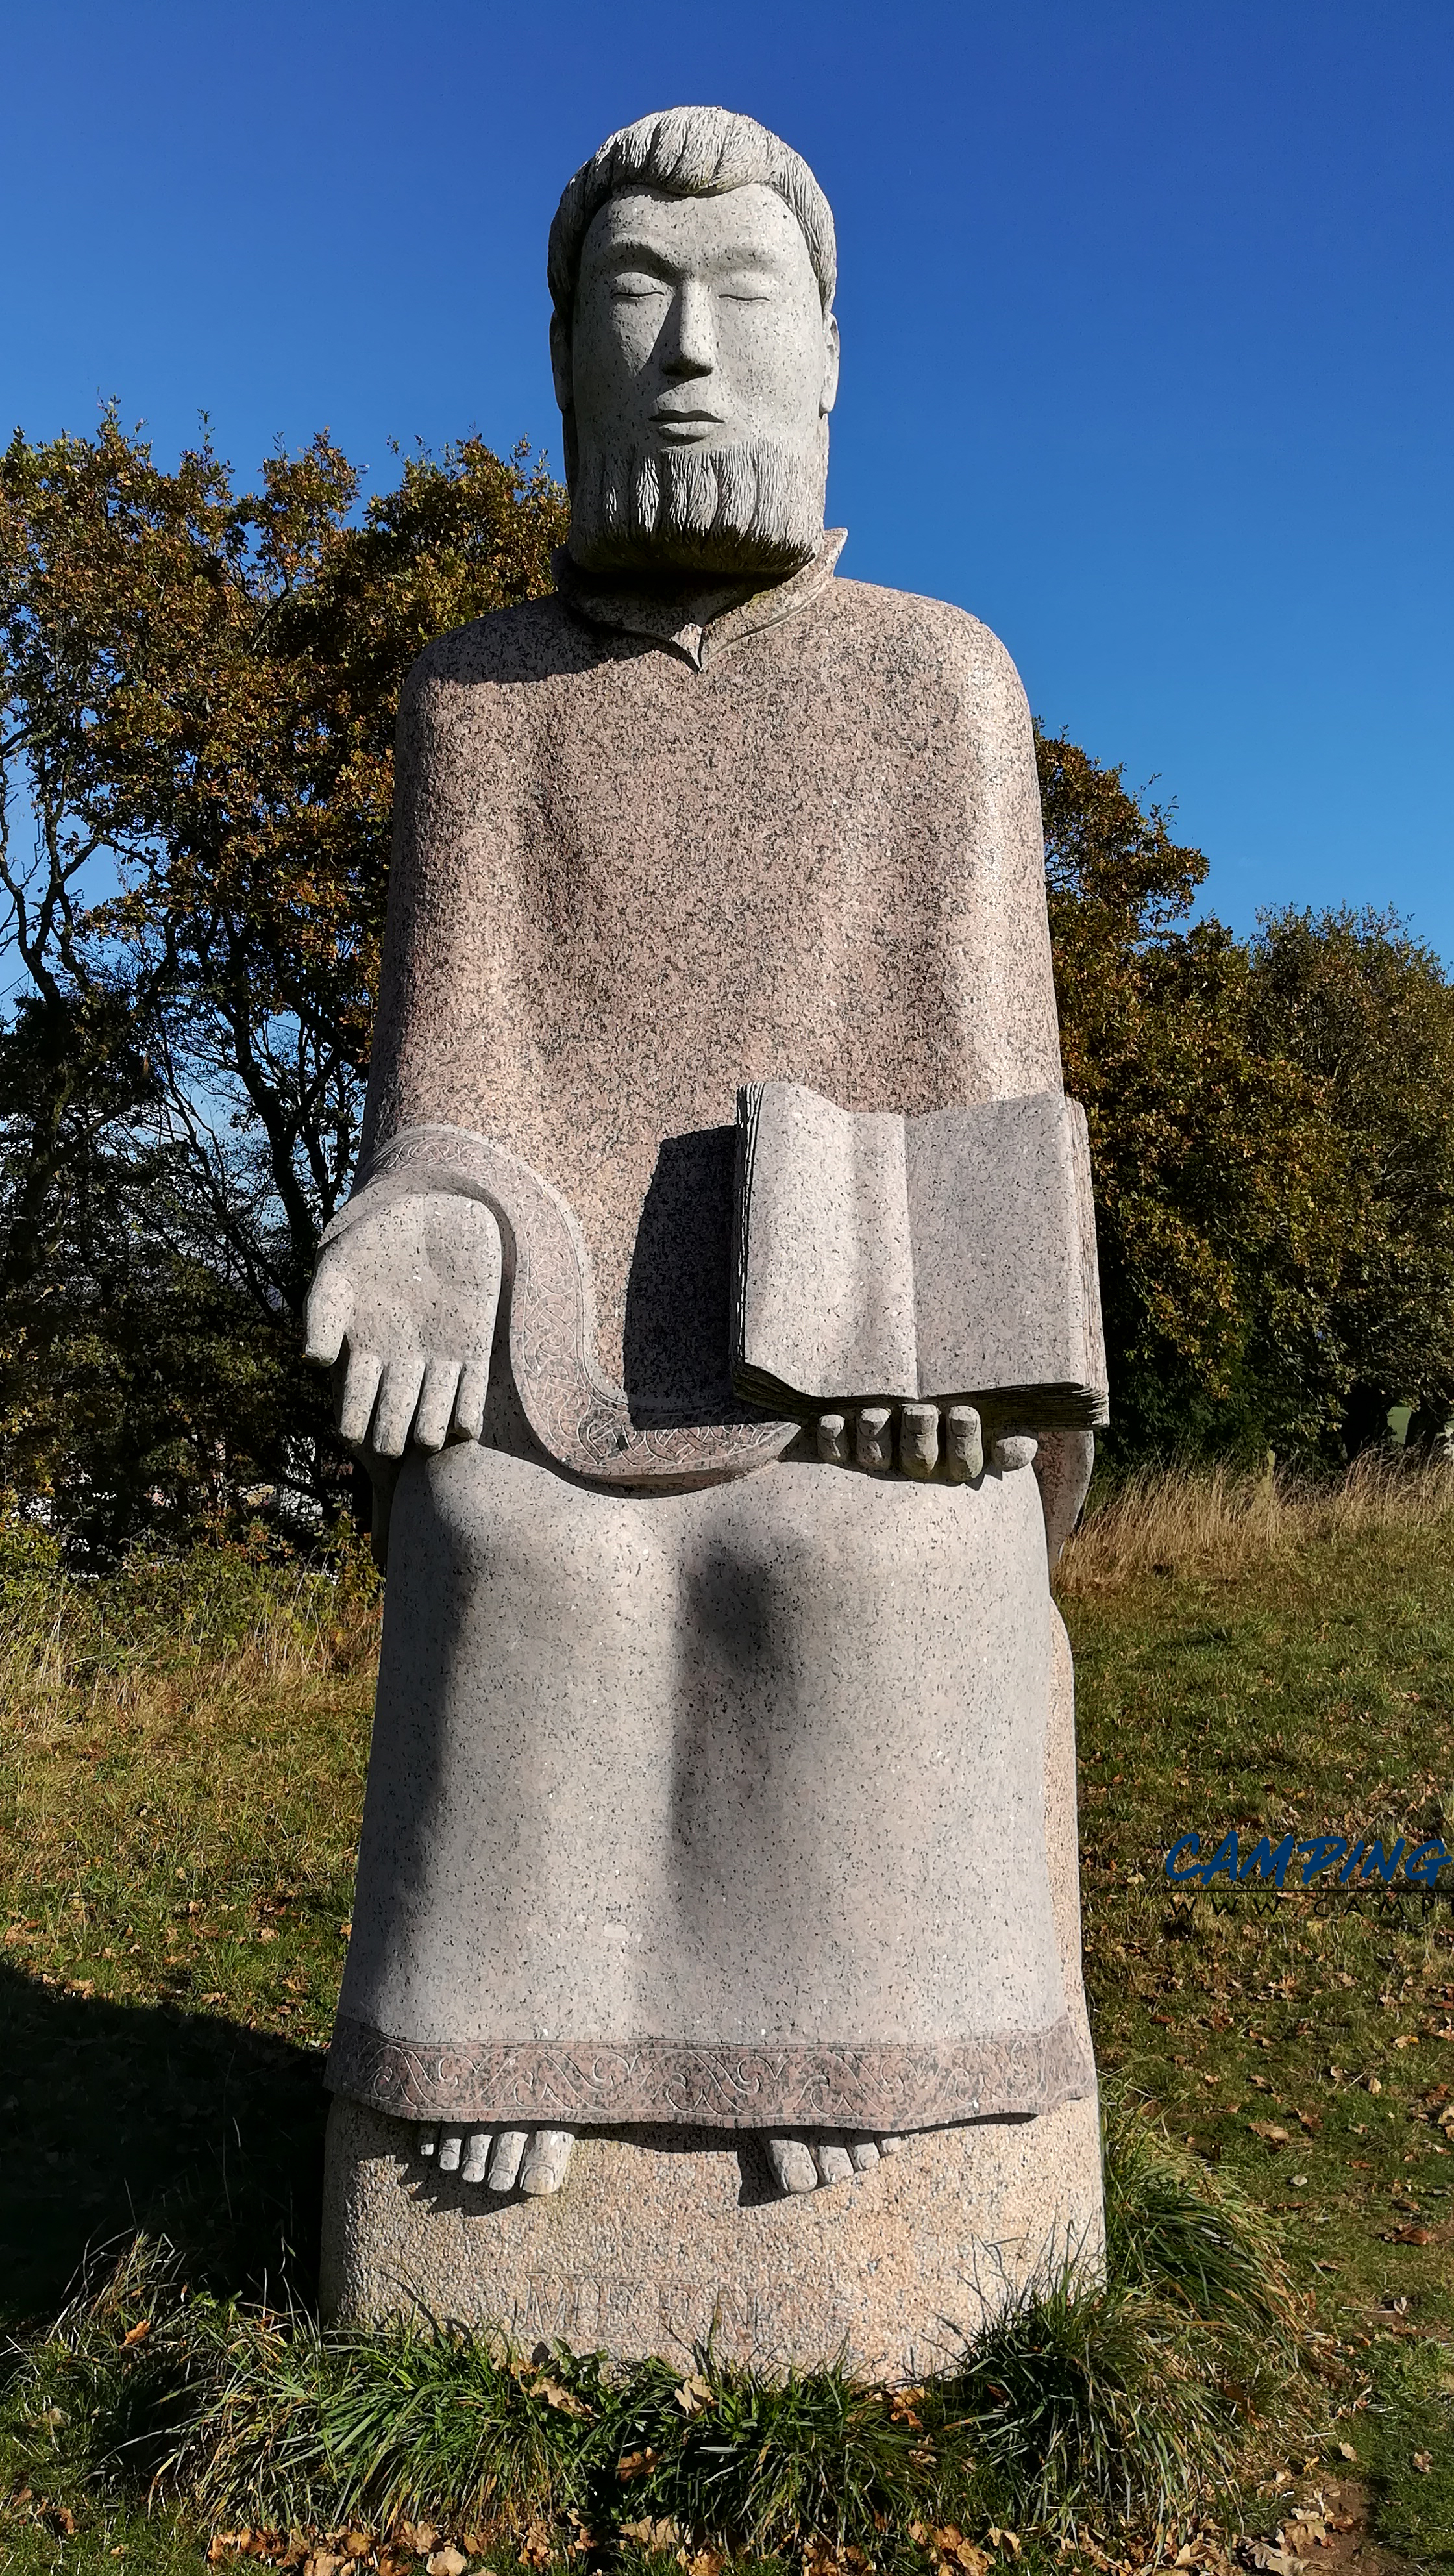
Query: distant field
(182, 1753)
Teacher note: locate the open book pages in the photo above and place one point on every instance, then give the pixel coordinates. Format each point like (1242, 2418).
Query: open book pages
(948, 1257)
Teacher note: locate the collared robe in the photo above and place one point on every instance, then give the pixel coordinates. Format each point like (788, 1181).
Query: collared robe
(648, 1834)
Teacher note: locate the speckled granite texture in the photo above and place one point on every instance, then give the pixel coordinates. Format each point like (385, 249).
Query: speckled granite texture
(632, 873)
(726, 1804)
(656, 2235)
(655, 2242)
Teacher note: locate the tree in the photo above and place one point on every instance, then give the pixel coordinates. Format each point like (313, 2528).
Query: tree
(1225, 1194)
(198, 698)
(1368, 1015)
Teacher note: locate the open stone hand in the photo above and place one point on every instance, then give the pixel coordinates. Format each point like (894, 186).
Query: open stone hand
(409, 1291)
(923, 1440)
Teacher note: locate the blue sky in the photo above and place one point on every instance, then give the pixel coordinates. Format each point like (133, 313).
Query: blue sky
(1146, 312)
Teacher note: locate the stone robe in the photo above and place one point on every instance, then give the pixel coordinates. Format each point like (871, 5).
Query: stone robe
(718, 1795)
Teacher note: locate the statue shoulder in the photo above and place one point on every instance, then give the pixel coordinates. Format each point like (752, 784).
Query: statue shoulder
(929, 641)
(511, 645)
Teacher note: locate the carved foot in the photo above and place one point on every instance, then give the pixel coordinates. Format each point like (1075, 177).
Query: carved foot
(802, 2164)
(534, 2161)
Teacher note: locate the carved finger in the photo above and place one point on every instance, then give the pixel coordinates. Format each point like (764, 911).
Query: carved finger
(832, 1439)
(890, 2146)
(451, 2142)
(546, 2159)
(360, 1388)
(469, 1402)
(428, 2140)
(328, 1315)
(832, 2159)
(436, 1405)
(963, 1444)
(398, 1397)
(510, 2146)
(791, 2160)
(919, 1439)
(875, 1437)
(476, 2155)
(1012, 1454)
(864, 2153)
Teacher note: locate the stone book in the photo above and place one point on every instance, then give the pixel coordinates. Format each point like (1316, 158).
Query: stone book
(910, 1259)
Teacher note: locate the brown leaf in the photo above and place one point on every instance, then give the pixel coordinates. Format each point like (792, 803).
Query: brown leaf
(418, 2536)
(648, 2534)
(693, 2395)
(356, 2544)
(1269, 2130)
(447, 2562)
(635, 2464)
(1423, 2461)
(138, 2334)
(1412, 2236)
(564, 2400)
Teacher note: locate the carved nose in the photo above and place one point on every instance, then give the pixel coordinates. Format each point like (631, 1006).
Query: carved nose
(692, 351)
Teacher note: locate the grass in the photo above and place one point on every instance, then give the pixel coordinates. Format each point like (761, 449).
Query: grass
(1085, 2408)
(181, 1763)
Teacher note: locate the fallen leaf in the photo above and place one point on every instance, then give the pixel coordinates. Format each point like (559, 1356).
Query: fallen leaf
(1346, 2451)
(421, 2537)
(1277, 2562)
(1411, 2236)
(647, 2533)
(357, 2544)
(1423, 2461)
(1309, 2120)
(635, 2464)
(447, 2562)
(564, 2400)
(1269, 2130)
(1407, 2039)
(138, 2334)
(693, 2395)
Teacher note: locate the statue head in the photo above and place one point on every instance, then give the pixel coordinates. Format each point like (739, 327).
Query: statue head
(692, 266)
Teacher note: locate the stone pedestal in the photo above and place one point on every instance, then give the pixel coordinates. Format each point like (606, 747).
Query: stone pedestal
(661, 2238)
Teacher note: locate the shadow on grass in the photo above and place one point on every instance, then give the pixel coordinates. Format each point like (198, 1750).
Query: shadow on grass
(119, 2116)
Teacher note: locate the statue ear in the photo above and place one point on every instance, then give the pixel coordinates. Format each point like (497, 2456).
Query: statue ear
(831, 355)
(560, 363)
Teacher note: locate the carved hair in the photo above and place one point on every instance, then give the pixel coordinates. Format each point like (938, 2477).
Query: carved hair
(687, 152)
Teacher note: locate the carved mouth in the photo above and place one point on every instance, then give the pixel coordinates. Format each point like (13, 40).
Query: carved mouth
(682, 428)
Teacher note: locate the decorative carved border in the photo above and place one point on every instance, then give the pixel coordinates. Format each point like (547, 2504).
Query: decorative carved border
(578, 1418)
(790, 2083)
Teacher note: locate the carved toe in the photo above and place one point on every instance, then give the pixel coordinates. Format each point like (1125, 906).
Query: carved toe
(546, 2159)
(792, 2164)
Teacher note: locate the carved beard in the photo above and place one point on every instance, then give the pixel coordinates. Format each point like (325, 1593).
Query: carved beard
(756, 507)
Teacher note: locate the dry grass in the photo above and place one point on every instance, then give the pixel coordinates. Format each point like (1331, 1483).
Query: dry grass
(1181, 1521)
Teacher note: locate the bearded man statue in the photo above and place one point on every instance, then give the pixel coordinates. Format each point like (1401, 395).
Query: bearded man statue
(715, 1961)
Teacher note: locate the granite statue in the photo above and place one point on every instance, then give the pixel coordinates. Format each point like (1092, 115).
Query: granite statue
(720, 1818)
